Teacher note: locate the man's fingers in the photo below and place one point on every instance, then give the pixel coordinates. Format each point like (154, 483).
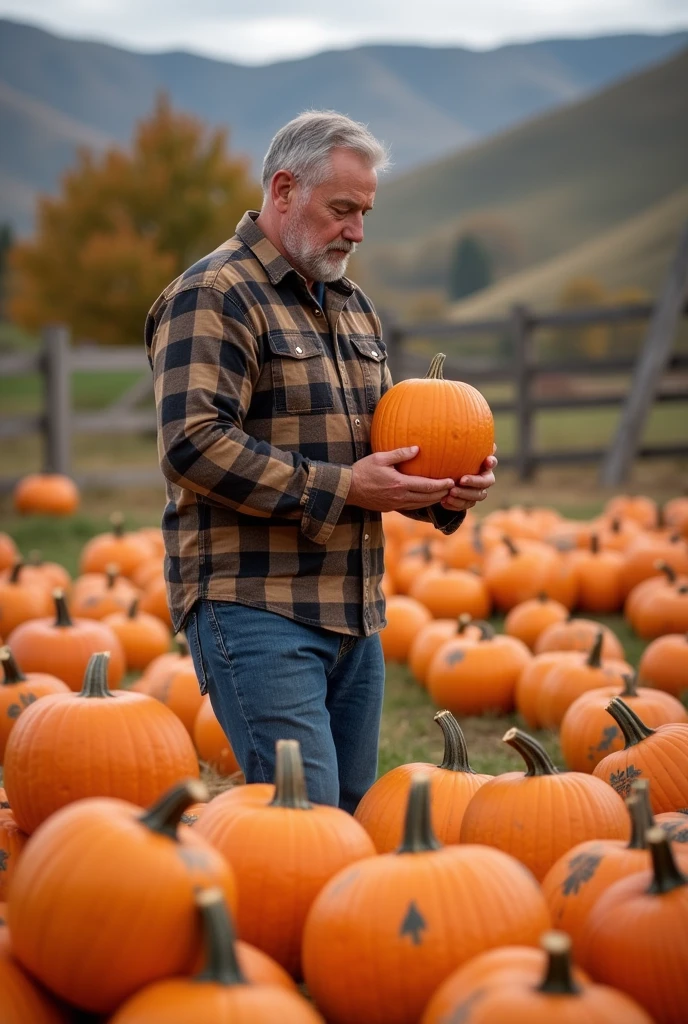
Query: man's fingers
(398, 455)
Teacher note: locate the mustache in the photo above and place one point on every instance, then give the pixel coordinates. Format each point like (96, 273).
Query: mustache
(342, 246)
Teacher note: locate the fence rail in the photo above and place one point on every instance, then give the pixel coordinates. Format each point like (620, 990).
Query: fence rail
(533, 382)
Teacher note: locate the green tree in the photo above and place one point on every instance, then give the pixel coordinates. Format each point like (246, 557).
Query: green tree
(126, 223)
(469, 268)
(6, 240)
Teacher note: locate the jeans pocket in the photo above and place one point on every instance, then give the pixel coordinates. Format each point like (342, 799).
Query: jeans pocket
(193, 639)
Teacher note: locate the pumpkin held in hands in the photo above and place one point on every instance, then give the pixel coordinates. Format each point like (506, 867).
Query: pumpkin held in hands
(450, 422)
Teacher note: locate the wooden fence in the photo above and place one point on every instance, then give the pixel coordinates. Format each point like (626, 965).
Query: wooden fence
(533, 383)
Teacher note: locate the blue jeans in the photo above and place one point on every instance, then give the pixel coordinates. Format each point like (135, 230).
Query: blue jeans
(271, 678)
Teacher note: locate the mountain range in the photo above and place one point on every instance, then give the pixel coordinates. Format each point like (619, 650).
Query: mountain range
(57, 94)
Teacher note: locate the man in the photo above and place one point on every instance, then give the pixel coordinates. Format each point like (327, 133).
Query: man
(268, 364)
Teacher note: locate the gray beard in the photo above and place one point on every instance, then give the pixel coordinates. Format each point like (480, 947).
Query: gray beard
(315, 264)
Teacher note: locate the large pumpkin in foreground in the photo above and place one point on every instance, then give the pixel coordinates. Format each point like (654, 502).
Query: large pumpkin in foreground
(449, 421)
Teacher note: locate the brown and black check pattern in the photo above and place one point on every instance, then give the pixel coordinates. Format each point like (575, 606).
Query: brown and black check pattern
(264, 402)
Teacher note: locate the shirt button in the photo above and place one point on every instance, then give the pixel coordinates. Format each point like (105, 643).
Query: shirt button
(374, 353)
(357, 422)
(366, 536)
(318, 312)
(299, 349)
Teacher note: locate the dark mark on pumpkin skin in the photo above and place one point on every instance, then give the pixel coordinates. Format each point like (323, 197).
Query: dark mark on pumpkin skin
(582, 869)
(25, 699)
(463, 1011)
(4, 857)
(608, 737)
(189, 819)
(413, 924)
(455, 657)
(621, 780)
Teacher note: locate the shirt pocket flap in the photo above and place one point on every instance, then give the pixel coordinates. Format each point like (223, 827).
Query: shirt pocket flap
(295, 344)
(369, 346)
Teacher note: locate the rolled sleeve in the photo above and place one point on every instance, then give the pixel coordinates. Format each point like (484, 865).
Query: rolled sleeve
(324, 498)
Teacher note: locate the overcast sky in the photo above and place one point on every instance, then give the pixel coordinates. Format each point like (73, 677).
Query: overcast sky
(258, 31)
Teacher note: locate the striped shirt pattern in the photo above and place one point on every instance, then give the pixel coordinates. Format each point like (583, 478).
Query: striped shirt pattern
(264, 401)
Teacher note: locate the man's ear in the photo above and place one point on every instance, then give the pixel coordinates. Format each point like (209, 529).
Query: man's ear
(281, 188)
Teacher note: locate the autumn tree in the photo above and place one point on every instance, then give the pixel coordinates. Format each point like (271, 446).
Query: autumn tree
(586, 293)
(127, 223)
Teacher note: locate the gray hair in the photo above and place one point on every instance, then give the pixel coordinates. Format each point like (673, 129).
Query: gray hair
(303, 146)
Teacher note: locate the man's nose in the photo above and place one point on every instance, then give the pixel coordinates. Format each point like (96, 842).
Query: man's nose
(353, 229)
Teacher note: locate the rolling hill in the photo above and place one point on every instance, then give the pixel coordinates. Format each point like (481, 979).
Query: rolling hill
(424, 102)
(555, 183)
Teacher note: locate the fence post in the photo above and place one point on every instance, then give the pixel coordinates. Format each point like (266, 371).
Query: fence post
(522, 336)
(57, 381)
(393, 337)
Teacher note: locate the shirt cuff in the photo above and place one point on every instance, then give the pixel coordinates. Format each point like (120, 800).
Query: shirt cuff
(324, 497)
(445, 520)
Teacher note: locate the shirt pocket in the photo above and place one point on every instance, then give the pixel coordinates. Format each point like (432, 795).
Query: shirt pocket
(372, 357)
(300, 372)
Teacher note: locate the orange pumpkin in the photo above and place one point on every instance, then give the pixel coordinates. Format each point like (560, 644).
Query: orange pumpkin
(143, 637)
(49, 574)
(413, 559)
(568, 679)
(9, 552)
(660, 755)
(659, 584)
(431, 637)
(475, 677)
(405, 617)
(539, 814)
(664, 663)
(127, 550)
(418, 913)
(12, 842)
(643, 554)
(529, 683)
(518, 571)
(528, 619)
(448, 593)
(48, 494)
(599, 578)
(675, 824)
(449, 421)
(496, 967)
(588, 734)
(579, 635)
(639, 507)
(178, 689)
(283, 852)
(664, 611)
(675, 514)
(23, 1001)
(637, 935)
(466, 548)
(95, 743)
(154, 601)
(58, 899)
(97, 594)
(21, 601)
(212, 745)
(576, 881)
(224, 990)
(519, 999)
(18, 691)
(161, 668)
(453, 783)
(64, 646)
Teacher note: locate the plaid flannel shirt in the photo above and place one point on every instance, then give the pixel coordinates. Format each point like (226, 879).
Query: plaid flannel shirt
(264, 401)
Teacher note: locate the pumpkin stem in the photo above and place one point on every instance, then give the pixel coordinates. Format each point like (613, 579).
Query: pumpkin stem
(630, 685)
(435, 368)
(164, 815)
(35, 558)
(290, 781)
(13, 674)
(487, 630)
(616, 526)
(133, 609)
(668, 570)
(117, 523)
(595, 656)
(62, 616)
(111, 573)
(640, 810)
(418, 834)
(538, 761)
(15, 570)
(542, 597)
(558, 980)
(509, 544)
(455, 752)
(222, 966)
(95, 677)
(182, 644)
(594, 544)
(477, 541)
(667, 875)
(463, 621)
(683, 589)
(632, 727)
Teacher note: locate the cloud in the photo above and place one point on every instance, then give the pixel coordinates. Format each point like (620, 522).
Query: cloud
(236, 31)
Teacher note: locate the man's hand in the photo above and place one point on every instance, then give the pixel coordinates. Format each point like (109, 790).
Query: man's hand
(471, 489)
(378, 486)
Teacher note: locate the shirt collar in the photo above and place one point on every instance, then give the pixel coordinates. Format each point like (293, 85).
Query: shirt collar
(275, 265)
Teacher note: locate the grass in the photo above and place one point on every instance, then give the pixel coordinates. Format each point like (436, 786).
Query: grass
(408, 731)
